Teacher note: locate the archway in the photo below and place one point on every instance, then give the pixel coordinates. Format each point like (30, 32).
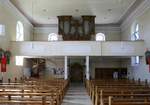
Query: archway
(76, 72)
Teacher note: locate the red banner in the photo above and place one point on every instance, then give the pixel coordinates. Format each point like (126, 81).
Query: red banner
(3, 64)
(148, 61)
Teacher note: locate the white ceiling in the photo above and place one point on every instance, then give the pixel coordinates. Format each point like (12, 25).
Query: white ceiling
(46, 11)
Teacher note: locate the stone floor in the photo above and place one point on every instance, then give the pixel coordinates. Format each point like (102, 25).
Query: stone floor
(76, 95)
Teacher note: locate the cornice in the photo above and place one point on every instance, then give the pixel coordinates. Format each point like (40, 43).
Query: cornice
(13, 9)
(140, 10)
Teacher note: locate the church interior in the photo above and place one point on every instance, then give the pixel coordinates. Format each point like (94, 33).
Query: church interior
(77, 52)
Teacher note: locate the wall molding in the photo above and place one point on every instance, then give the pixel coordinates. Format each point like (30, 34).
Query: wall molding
(133, 6)
(54, 28)
(141, 9)
(108, 28)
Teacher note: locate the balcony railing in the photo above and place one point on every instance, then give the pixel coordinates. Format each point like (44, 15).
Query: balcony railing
(78, 48)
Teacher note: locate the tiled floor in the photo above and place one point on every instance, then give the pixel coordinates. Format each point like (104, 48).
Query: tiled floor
(76, 95)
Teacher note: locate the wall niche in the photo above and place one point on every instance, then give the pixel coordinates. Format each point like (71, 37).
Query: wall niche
(76, 28)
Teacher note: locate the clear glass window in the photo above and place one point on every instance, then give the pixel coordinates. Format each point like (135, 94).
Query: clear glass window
(19, 60)
(19, 31)
(52, 37)
(2, 29)
(100, 37)
(135, 36)
(137, 60)
(136, 32)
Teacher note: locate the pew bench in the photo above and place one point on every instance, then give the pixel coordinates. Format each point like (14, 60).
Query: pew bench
(127, 101)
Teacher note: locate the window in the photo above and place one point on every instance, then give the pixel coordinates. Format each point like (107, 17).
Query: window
(100, 37)
(137, 60)
(136, 32)
(19, 60)
(2, 30)
(135, 36)
(19, 31)
(52, 37)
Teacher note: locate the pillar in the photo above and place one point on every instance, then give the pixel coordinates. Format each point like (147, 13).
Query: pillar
(87, 68)
(66, 67)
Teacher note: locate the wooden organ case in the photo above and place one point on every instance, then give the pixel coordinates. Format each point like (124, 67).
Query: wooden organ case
(76, 28)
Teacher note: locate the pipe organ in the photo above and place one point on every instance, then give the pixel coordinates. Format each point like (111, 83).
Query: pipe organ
(76, 28)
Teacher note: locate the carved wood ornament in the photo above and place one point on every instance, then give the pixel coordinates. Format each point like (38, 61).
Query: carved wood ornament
(76, 29)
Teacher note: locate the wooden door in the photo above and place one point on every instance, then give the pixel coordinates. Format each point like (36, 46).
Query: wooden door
(76, 73)
(103, 73)
(107, 73)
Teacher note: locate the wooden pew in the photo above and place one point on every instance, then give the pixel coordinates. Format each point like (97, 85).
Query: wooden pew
(51, 92)
(100, 90)
(128, 101)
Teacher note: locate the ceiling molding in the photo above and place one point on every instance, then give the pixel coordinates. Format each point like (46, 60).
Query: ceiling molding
(145, 5)
(46, 25)
(130, 10)
(27, 17)
(98, 28)
(96, 25)
(107, 25)
(114, 28)
(13, 9)
(127, 13)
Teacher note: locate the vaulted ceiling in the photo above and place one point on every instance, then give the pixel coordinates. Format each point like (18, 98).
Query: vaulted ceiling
(45, 12)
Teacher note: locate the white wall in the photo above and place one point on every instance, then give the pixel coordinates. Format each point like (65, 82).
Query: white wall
(9, 16)
(41, 33)
(57, 64)
(112, 32)
(141, 16)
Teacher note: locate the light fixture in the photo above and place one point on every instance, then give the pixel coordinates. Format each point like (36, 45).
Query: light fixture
(109, 10)
(77, 10)
(44, 10)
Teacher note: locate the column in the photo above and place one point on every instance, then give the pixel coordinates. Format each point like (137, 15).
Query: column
(87, 68)
(66, 67)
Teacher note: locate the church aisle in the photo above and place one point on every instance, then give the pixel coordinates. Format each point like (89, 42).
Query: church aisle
(77, 95)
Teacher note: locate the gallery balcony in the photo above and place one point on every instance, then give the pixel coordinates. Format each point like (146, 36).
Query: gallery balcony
(78, 48)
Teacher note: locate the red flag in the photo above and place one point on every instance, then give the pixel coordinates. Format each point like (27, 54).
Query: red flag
(3, 64)
(149, 62)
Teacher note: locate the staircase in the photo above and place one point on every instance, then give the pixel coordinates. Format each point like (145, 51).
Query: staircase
(76, 95)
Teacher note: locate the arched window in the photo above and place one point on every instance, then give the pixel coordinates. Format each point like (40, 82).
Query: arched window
(52, 37)
(135, 33)
(135, 36)
(100, 37)
(19, 31)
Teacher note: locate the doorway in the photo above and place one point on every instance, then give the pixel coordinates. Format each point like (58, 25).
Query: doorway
(76, 73)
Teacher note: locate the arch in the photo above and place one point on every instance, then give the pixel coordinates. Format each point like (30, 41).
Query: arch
(52, 37)
(100, 37)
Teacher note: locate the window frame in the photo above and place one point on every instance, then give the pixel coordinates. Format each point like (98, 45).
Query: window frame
(2, 30)
(19, 31)
(19, 60)
(102, 35)
(135, 33)
(52, 37)
(135, 36)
